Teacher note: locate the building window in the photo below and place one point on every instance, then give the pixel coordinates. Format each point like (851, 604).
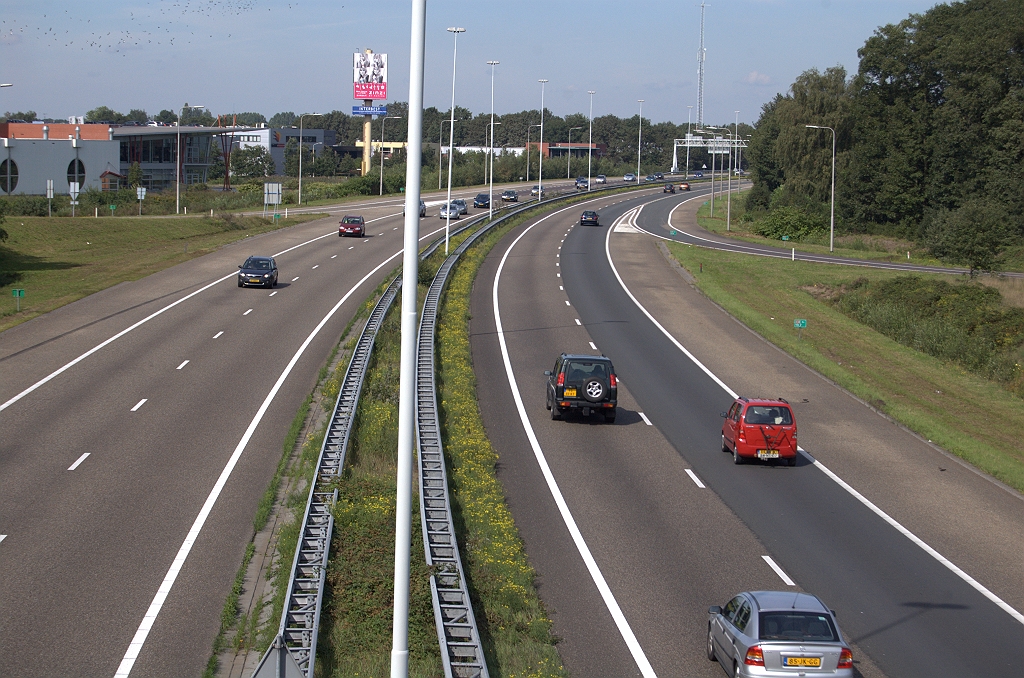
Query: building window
(8, 176)
(76, 172)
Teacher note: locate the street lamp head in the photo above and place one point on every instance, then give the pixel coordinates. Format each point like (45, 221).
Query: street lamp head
(542, 80)
(6, 84)
(812, 126)
(591, 92)
(455, 29)
(493, 63)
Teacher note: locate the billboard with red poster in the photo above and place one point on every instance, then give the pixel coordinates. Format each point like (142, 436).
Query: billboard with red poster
(370, 76)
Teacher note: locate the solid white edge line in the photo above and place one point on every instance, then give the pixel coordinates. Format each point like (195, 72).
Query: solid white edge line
(694, 478)
(78, 461)
(973, 583)
(149, 317)
(137, 642)
(779, 571)
(644, 417)
(581, 545)
(181, 365)
(139, 404)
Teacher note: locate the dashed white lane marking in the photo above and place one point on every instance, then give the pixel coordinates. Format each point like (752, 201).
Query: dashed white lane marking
(352, 248)
(558, 275)
(644, 417)
(380, 234)
(567, 303)
(139, 404)
(273, 293)
(315, 267)
(3, 536)
(694, 478)
(218, 334)
(395, 228)
(181, 365)
(593, 346)
(295, 278)
(578, 322)
(621, 623)
(333, 256)
(78, 462)
(247, 312)
(556, 263)
(778, 570)
(561, 288)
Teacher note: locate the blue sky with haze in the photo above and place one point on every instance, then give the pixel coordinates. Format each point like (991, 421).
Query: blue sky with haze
(273, 55)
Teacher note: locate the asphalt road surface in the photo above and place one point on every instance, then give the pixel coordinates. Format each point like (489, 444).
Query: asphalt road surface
(636, 528)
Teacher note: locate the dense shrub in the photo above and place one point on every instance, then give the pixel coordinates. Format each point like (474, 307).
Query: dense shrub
(791, 221)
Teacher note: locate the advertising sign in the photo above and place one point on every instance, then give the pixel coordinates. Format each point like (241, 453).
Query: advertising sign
(369, 110)
(369, 76)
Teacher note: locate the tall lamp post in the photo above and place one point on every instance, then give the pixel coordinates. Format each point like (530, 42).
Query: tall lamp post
(689, 110)
(300, 150)
(732, 158)
(540, 147)
(451, 137)
(389, 117)
(440, 135)
(832, 210)
(528, 151)
(179, 163)
(639, 138)
(490, 155)
(568, 165)
(590, 139)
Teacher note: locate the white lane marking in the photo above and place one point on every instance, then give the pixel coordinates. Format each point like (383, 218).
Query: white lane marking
(558, 275)
(218, 334)
(643, 416)
(563, 508)
(3, 536)
(976, 585)
(556, 264)
(567, 302)
(247, 312)
(561, 288)
(395, 228)
(149, 317)
(592, 346)
(333, 256)
(578, 322)
(78, 462)
(295, 278)
(181, 365)
(273, 293)
(778, 570)
(315, 267)
(694, 478)
(352, 248)
(139, 404)
(139, 640)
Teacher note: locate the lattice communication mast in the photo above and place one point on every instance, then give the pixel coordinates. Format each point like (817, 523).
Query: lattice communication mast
(701, 57)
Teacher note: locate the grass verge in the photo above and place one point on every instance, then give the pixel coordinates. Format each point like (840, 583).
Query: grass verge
(970, 416)
(57, 261)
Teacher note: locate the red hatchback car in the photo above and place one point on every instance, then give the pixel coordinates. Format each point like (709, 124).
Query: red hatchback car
(759, 428)
(351, 225)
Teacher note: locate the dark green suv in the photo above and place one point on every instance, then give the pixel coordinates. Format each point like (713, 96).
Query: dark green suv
(584, 384)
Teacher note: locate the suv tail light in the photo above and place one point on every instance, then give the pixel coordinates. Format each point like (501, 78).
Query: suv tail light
(561, 378)
(845, 659)
(755, 657)
(613, 382)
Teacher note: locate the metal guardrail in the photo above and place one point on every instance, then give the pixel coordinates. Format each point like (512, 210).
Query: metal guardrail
(293, 652)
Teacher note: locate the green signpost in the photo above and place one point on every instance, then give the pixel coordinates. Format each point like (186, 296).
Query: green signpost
(18, 294)
(799, 324)
(112, 208)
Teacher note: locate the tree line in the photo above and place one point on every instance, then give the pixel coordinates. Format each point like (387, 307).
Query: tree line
(929, 135)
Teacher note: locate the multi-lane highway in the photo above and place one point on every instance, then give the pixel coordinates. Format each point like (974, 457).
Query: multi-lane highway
(138, 429)
(636, 528)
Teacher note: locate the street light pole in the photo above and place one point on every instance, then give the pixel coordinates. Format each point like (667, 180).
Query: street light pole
(528, 151)
(387, 117)
(440, 136)
(590, 139)
(832, 209)
(490, 155)
(639, 138)
(568, 165)
(300, 151)
(732, 151)
(689, 110)
(540, 147)
(179, 163)
(451, 139)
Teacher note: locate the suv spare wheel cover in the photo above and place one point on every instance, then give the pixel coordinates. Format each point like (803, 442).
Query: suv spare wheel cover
(594, 390)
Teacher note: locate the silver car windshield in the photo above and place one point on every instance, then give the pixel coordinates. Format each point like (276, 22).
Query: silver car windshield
(797, 626)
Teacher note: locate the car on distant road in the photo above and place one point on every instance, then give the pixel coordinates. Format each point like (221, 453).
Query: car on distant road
(669, 188)
(659, 176)
(482, 200)
(629, 178)
(535, 190)
(423, 208)
(450, 211)
(582, 183)
(600, 179)
(260, 271)
(582, 383)
(777, 633)
(461, 204)
(351, 224)
(589, 218)
(698, 175)
(760, 428)
(510, 196)
(650, 178)
(685, 186)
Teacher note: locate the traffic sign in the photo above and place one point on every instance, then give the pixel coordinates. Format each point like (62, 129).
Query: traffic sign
(73, 191)
(112, 208)
(369, 110)
(141, 192)
(799, 323)
(49, 189)
(18, 294)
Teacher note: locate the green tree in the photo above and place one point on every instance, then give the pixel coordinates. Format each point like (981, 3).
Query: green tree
(3, 219)
(291, 159)
(973, 235)
(252, 163)
(135, 175)
(137, 115)
(166, 117)
(284, 119)
(104, 114)
(246, 119)
(27, 116)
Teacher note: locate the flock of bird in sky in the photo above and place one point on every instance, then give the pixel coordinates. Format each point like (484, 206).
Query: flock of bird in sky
(159, 22)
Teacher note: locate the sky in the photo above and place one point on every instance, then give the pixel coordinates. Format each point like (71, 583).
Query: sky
(268, 56)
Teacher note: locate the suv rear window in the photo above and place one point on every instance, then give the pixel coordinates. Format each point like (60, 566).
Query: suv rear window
(578, 370)
(769, 414)
(796, 626)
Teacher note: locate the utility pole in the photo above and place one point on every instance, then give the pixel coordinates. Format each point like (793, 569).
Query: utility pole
(701, 57)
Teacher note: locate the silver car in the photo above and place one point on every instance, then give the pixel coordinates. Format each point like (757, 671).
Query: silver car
(451, 211)
(777, 633)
